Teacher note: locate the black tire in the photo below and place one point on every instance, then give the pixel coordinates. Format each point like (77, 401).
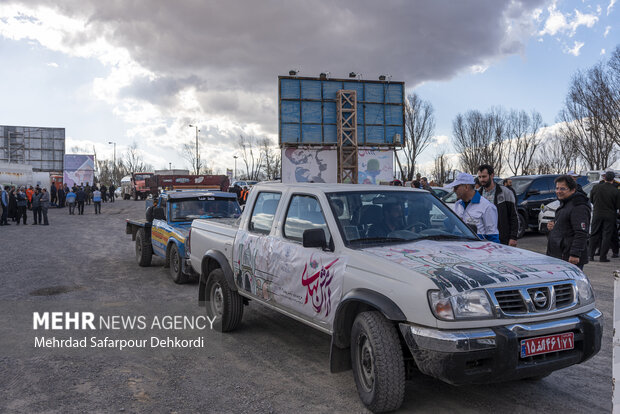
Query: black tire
(176, 269)
(144, 251)
(222, 302)
(522, 225)
(377, 360)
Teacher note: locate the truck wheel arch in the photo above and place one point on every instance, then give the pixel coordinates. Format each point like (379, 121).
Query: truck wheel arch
(354, 302)
(212, 260)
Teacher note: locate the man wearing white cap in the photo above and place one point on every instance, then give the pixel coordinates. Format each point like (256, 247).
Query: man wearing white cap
(474, 209)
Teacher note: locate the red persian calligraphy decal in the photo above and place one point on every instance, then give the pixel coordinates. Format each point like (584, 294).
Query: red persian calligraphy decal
(318, 285)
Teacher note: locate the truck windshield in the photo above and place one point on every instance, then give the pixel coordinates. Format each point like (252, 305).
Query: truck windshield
(211, 207)
(139, 177)
(394, 216)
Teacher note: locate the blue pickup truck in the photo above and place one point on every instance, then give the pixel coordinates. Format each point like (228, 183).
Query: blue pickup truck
(165, 236)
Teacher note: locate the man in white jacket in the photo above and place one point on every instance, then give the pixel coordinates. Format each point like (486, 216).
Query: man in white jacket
(474, 209)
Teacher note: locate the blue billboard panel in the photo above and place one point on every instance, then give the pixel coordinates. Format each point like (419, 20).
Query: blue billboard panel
(308, 111)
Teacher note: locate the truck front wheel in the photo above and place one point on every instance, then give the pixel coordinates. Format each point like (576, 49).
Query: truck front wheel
(144, 252)
(176, 270)
(377, 360)
(223, 304)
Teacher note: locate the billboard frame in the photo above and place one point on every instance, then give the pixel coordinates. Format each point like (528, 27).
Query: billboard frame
(361, 140)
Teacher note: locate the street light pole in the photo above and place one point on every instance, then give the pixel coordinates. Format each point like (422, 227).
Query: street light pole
(114, 167)
(235, 174)
(197, 153)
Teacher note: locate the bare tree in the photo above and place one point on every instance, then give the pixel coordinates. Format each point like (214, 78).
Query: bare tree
(419, 128)
(271, 159)
(442, 169)
(591, 113)
(523, 141)
(188, 152)
(133, 161)
(586, 133)
(555, 155)
(252, 157)
(480, 139)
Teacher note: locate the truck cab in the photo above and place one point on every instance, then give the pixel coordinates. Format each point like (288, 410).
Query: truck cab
(165, 236)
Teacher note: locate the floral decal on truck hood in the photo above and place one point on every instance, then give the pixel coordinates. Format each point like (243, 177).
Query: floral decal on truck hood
(459, 266)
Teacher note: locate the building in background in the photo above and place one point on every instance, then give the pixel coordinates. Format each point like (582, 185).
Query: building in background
(42, 148)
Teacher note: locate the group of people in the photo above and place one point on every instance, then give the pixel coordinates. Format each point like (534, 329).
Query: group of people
(491, 210)
(241, 192)
(77, 196)
(59, 196)
(16, 201)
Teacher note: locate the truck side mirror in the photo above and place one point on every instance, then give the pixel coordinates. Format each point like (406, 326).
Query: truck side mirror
(158, 213)
(314, 238)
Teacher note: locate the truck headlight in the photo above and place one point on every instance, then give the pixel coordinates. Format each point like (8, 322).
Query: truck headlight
(472, 304)
(584, 289)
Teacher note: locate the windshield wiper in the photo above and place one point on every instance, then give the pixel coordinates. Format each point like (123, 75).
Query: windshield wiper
(445, 237)
(377, 239)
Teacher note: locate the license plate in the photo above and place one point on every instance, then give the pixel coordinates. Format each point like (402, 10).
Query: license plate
(546, 344)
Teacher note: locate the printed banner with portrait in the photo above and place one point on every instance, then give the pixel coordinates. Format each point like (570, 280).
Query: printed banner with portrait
(79, 169)
(309, 165)
(375, 165)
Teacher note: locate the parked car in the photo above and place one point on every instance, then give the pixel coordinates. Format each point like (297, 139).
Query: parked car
(533, 191)
(429, 296)
(439, 191)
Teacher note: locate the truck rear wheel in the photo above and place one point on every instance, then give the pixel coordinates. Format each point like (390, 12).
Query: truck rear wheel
(377, 360)
(223, 303)
(176, 270)
(144, 251)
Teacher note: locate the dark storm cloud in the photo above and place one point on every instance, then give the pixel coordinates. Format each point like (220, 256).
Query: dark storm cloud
(238, 48)
(161, 90)
(248, 43)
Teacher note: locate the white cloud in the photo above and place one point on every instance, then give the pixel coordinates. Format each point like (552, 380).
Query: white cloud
(607, 30)
(603, 51)
(610, 6)
(576, 50)
(52, 64)
(559, 22)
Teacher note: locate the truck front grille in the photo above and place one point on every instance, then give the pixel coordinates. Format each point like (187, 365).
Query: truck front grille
(534, 299)
(511, 301)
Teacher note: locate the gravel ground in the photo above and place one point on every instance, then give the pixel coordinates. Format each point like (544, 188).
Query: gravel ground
(270, 364)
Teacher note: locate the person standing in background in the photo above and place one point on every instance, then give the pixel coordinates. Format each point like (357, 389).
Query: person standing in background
(504, 201)
(45, 203)
(22, 204)
(97, 200)
(4, 200)
(606, 200)
(70, 197)
(36, 207)
(54, 194)
(568, 234)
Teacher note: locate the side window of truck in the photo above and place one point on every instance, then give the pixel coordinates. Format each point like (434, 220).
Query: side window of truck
(264, 211)
(304, 212)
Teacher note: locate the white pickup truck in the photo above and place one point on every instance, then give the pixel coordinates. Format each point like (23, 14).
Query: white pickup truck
(395, 289)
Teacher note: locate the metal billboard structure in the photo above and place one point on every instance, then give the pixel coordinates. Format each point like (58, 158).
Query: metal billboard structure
(42, 148)
(347, 114)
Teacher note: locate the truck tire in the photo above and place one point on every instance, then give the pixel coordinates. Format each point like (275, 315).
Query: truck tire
(144, 251)
(176, 270)
(377, 360)
(222, 303)
(522, 225)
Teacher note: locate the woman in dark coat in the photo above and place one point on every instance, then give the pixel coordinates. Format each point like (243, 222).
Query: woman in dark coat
(12, 205)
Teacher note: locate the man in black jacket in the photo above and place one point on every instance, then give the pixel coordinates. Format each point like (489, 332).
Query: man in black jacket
(568, 235)
(504, 201)
(606, 200)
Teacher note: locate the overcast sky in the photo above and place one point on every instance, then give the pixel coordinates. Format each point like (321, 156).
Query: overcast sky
(143, 70)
